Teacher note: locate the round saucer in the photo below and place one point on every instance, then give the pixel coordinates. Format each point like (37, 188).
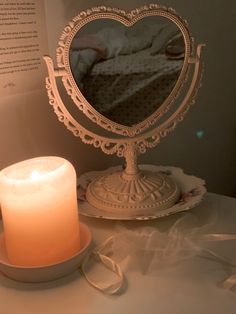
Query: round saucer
(47, 272)
(192, 190)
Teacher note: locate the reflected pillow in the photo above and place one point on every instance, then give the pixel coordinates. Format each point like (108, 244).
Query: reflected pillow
(161, 40)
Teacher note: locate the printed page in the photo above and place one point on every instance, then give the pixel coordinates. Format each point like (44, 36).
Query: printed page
(23, 42)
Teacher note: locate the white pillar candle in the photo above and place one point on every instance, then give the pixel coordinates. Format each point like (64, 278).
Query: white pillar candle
(39, 210)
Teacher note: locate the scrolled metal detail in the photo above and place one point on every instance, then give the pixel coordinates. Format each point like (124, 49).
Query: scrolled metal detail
(107, 146)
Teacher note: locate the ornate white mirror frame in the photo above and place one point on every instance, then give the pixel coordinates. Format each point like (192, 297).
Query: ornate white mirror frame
(131, 191)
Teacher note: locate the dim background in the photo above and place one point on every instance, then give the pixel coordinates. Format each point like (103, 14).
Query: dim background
(204, 144)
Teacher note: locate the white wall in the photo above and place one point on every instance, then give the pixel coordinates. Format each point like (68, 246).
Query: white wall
(28, 126)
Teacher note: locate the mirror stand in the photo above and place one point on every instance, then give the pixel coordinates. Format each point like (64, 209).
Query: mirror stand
(132, 190)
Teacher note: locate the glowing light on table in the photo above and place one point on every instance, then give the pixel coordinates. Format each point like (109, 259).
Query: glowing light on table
(39, 210)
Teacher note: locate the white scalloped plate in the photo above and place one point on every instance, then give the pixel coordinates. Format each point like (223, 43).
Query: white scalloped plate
(192, 192)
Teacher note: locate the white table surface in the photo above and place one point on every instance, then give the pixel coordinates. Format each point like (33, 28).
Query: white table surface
(189, 288)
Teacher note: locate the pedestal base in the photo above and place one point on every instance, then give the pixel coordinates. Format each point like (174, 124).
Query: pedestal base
(114, 193)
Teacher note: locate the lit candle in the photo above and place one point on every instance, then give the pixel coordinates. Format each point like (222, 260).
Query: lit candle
(39, 211)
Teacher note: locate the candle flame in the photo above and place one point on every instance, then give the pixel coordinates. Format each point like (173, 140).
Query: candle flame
(34, 175)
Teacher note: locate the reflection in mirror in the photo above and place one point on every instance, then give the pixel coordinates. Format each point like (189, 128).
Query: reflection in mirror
(126, 73)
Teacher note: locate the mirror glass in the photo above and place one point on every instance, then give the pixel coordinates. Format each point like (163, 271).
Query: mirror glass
(126, 73)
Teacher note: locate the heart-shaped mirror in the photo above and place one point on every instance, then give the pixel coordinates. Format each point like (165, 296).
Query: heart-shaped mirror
(126, 69)
(127, 73)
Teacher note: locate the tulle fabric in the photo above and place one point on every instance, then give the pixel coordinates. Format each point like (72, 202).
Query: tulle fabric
(147, 249)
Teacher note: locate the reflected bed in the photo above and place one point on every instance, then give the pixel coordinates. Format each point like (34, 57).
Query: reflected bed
(118, 86)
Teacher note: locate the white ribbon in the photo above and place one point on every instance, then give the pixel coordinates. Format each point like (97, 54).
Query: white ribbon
(188, 244)
(106, 287)
(230, 281)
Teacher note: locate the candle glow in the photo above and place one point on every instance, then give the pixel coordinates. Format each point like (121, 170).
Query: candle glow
(34, 175)
(39, 209)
